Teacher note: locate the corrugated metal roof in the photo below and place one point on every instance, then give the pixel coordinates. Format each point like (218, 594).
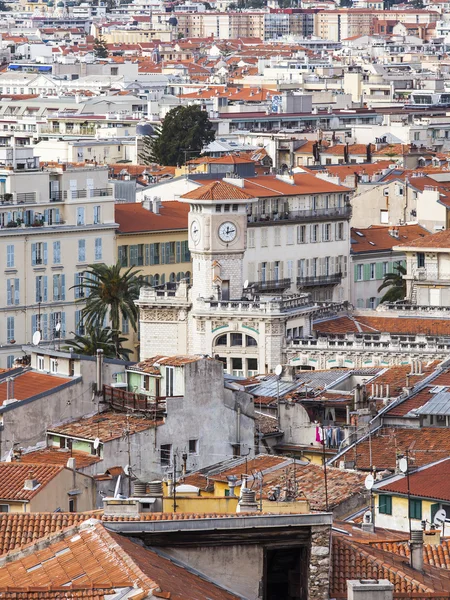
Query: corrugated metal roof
(269, 387)
(439, 404)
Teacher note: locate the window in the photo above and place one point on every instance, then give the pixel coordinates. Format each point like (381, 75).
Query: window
(301, 267)
(277, 236)
(123, 255)
(359, 272)
(372, 302)
(10, 256)
(372, 268)
(55, 319)
(235, 207)
(56, 253)
(384, 217)
(81, 250)
(41, 288)
(10, 363)
(218, 208)
(236, 366)
(98, 249)
(385, 268)
(193, 446)
(137, 255)
(10, 329)
(327, 232)
(222, 340)
(154, 254)
(236, 339)
(420, 259)
(250, 341)
(80, 215)
(166, 455)
(276, 270)
(72, 505)
(4, 508)
(59, 287)
(415, 509)
(79, 325)
(40, 363)
(125, 326)
(12, 292)
(251, 238)
(170, 372)
(301, 234)
(39, 253)
(314, 233)
(97, 213)
(385, 504)
(339, 231)
(53, 365)
(263, 272)
(264, 237)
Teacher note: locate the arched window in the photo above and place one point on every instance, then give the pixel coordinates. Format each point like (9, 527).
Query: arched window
(156, 279)
(163, 279)
(187, 276)
(151, 280)
(250, 341)
(172, 278)
(221, 340)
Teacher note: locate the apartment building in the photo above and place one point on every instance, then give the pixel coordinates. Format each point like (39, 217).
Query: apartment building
(153, 238)
(298, 236)
(48, 237)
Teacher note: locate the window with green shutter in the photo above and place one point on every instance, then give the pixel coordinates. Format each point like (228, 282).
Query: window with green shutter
(366, 272)
(385, 505)
(434, 508)
(379, 270)
(415, 509)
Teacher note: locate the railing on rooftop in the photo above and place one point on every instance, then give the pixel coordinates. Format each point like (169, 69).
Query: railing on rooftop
(319, 214)
(125, 401)
(269, 285)
(88, 193)
(331, 279)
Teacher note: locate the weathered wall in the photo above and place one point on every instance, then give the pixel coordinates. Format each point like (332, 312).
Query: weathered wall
(54, 495)
(319, 565)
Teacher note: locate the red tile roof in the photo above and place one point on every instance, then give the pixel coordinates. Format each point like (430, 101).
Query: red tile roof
(57, 456)
(393, 324)
(218, 190)
(420, 398)
(30, 383)
(134, 218)
(106, 426)
(425, 445)
(430, 482)
(338, 149)
(378, 237)
(301, 183)
(398, 376)
(441, 239)
(13, 476)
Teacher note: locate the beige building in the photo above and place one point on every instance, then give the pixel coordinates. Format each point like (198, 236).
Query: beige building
(27, 488)
(48, 238)
(153, 238)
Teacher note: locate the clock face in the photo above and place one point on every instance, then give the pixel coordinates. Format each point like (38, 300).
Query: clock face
(227, 231)
(195, 232)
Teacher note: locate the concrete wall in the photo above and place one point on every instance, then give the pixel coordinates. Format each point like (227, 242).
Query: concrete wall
(55, 494)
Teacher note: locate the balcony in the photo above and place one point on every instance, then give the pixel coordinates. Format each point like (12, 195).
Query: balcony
(18, 198)
(269, 286)
(319, 214)
(332, 279)
(91, 193)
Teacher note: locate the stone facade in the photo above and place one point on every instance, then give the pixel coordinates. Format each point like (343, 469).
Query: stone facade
(319, 564)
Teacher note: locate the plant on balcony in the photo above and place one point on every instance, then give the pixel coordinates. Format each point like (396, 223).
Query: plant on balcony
(37, 223)
(12, 224)
(396, 284)
(110, 294)
(7, 197)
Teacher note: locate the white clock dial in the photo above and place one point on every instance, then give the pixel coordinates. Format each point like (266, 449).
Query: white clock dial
(195, 232)
(227, 231)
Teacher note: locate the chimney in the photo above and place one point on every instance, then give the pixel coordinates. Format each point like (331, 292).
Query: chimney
(31, 483)
(147, 203)
(232, 479)
(247, 502)
(370, 589)
(71, 463)
(416, 549)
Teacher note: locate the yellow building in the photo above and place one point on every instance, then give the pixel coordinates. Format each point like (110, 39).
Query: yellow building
(153, 238)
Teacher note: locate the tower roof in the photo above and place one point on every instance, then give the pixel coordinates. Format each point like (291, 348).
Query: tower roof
(218, 190)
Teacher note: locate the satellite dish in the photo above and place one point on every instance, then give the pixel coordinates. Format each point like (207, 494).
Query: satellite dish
(369, 481)
(245, 284)
(278, 370)
(10, 456)
(96, 443)
(127, 469)
(58, 327)
(439, 517)
(36, 338)
(403, 465)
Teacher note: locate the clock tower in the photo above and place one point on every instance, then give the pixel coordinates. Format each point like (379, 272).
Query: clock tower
(217, 239)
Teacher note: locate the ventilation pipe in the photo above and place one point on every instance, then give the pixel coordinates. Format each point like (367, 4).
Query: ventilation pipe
(99, 382)
(416, 549)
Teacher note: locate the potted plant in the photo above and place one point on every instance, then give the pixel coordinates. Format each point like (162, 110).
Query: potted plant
(7, 197)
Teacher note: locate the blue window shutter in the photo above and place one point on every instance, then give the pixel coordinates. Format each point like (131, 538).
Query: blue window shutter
(37, 289)
(152, 254)
(63, 324)
(63, 287)
(57, 215)
(55, 287)
(76, 289)
(8, 292)
(45, 288)
(45, 253)
(46, 215)
(9, 217)
(44, 326)
(16, 291)
(178, 252)
(147, 254)
(33, 324)
(33, 254)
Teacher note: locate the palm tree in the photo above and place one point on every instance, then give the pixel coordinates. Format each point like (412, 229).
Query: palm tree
(110, 294)
(99, 338)
(396, 284)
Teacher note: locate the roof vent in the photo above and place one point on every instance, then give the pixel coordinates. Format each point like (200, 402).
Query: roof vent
(31, 483)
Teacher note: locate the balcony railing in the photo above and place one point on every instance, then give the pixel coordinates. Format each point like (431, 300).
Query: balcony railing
(269, 286)
(332, 279)
(319, 214)
(56, 196)
(18, 198)
(91, 193)
(124, 401)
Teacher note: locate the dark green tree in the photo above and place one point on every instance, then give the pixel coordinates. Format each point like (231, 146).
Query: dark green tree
(110, 294)
(182, 135)
(396, 284)
(99, 338)
(100, 49)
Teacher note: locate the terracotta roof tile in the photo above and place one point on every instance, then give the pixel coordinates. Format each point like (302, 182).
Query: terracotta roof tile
(441, 239)
(416, 400)
(133, 217)
(218, 190)
(430, 482)
(376, 237)
(106, 426)
(426, 445)
(14, 475)
(57, 456)
(30, 383)
(393, 325)
(396, 377)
